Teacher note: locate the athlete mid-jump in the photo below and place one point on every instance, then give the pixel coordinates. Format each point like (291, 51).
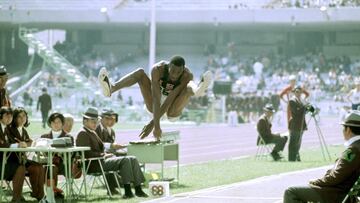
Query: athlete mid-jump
(168, 91)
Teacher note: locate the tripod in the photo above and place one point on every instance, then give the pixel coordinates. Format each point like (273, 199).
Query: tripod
(323, 144)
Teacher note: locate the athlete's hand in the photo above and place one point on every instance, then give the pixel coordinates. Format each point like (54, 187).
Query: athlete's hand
(147, 130)
(157, 133)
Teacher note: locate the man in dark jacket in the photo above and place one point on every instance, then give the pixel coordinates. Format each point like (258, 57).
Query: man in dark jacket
(129, 173)
(336, 183)
(264, 130)
(297, 124)
(45, 105)
(106, 132)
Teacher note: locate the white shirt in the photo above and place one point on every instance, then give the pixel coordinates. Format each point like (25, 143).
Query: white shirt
(298, 100)
(355, 96)
(55, 134)
(107, 145)
(352, 140)
(20, 129)
(3, 127)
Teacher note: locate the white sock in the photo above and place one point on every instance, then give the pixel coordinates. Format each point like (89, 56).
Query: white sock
(193, 86)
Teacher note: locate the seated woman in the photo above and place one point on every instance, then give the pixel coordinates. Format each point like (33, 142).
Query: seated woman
(13, 169)
(18, 134)
(56, 122)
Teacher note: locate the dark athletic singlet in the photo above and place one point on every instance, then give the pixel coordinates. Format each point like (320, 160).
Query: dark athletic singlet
(166, 85)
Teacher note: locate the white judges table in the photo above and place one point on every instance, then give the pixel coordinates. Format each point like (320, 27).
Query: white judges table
(151, 151)
(66, 154)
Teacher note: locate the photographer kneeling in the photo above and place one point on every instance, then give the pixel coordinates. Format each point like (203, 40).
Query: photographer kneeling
(264, 130)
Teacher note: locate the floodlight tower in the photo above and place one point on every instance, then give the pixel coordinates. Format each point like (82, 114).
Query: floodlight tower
(152, 46)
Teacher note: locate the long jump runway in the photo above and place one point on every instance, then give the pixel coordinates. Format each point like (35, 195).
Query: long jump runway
(208, 142)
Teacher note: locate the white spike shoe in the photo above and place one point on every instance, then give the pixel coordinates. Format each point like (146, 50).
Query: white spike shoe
(104, 81)
(204, 84)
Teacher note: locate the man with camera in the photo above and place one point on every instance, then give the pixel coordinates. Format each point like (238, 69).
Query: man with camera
(286, 92)
(337, 182)
(297, 124)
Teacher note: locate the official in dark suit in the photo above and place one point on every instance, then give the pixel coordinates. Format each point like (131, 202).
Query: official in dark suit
(297, 124)
(264, 130)
(129, 173)
(13, 169)
(106, 132)
(44, 104)
(337, 182)
(4, 97)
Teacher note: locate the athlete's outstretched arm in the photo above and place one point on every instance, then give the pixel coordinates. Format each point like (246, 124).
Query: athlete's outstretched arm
(160, 110)
(156, 95)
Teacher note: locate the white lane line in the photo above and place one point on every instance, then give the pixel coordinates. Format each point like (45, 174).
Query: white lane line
(240, 198)
(187, 195)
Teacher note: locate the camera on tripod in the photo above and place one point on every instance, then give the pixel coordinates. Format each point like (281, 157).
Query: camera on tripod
(312, 109)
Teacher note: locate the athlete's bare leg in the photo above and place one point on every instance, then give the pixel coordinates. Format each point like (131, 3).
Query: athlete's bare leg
(192, 89)
(174, 110)
(180, 102)
(138, 76)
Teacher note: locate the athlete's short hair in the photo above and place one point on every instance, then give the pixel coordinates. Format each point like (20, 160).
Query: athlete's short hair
(177, 60)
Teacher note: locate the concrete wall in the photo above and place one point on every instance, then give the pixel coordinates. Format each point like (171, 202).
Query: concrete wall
(248, 42)
(281, 15)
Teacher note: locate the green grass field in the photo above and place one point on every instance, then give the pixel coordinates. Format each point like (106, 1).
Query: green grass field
(211, 174)
(217, 173)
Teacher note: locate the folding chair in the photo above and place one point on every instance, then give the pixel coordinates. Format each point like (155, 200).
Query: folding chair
(9, 183)
(102, 174)
(263, 149)
(354, 191)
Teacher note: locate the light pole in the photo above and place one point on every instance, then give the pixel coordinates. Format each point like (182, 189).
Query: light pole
(152, 46)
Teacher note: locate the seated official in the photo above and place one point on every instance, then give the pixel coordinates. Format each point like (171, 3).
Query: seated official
(107, 134)
(19, 136)
(56, 122)
(13, 169)
(264, 130)
(130, 173)
(337, 182)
